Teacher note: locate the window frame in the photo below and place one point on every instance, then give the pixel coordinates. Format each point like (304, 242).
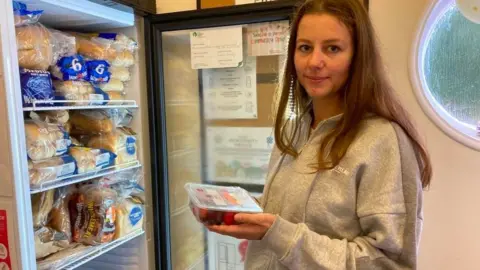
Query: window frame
(451, 126)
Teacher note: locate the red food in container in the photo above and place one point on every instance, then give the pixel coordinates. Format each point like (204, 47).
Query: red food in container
(216, 205)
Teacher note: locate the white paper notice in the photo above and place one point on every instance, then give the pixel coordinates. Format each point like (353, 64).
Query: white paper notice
(239, 155)
(269, 38)
(217, 48)
(231, 93)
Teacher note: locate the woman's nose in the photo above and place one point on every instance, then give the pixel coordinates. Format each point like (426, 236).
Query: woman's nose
(316, 59)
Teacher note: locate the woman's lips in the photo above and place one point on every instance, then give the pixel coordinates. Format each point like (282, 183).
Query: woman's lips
(316, 79)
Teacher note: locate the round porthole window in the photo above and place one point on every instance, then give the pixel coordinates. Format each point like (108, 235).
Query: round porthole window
(445, 71)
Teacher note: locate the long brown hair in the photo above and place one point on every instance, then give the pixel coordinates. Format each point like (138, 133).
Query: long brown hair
(367, 90)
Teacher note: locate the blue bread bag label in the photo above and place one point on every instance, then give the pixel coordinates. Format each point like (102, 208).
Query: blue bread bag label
(98, 71)
(68, 168)
(70, 68)
(105, 159)
(36, 86)
(135, 215)
(131, 145)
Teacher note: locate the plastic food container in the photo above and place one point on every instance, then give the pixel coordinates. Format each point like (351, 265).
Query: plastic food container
(218, 205)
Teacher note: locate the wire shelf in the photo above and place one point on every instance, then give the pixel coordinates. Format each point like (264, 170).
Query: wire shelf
(77, 178)
(96, 251)
(45, 105)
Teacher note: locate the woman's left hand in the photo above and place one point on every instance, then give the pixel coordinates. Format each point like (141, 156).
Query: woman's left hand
(250, 226)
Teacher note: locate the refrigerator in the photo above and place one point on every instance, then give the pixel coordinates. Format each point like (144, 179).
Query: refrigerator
(196, 116)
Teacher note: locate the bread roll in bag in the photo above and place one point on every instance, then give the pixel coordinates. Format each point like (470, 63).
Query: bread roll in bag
(122, 59)
(92, 122)
(94, 48)
(51, 117)
(89, 159)
(45, 140)
(122, 142)
(51, 169)
(120, 73)
(112, 85)
(34, 47)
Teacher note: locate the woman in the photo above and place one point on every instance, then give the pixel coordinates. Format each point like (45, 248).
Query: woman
(344, 189)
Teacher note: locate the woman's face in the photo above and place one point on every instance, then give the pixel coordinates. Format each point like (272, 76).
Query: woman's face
(323, 54)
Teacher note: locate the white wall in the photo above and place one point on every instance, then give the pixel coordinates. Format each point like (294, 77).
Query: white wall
(451, 234)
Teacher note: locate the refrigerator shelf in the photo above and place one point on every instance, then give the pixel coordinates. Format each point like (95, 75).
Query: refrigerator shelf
(42, 105)
(96, 251)
(83, 14)
(73, 179)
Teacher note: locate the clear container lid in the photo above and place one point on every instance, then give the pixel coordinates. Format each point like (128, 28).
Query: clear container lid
(219, 198)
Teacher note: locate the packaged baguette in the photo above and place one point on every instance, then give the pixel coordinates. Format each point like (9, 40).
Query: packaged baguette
(51, 169)
(45, 140)
(34, 44)
(89, 159)
(122, 142)
(59, 216)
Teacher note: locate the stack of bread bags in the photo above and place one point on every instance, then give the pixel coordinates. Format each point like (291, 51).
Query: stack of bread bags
(117, 51)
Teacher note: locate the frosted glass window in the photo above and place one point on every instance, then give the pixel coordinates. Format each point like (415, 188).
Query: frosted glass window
(452, 66)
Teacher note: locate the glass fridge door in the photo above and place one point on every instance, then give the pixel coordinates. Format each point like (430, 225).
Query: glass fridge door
(216, 94)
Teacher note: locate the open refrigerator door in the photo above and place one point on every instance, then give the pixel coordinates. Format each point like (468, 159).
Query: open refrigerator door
(75, 137)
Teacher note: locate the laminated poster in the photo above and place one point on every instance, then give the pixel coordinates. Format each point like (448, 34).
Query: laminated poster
(269, 38)
(239, 155)
(231, 93)
(220, 47)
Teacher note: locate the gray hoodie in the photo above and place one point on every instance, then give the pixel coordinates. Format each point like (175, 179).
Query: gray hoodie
(366, 213)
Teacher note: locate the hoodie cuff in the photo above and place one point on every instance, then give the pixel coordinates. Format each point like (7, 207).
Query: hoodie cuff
(280, 237)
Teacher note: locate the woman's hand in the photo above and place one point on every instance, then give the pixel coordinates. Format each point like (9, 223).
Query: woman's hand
(251, 226)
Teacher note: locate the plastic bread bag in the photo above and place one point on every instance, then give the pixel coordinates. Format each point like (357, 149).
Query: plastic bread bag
(59, 217)
(122, 59)
(94, 215)
(91, 122)
(34, 44)
(129, 216)
(23, 16)
(112, 85)
(89, 159)
(36, 86)
(42, 203)
(94, 48)
(120, 42)
(63, 44)
(98, 71)
(115, 98)
(49, 241)
(51, 169)
(51, 117)
(82, 93)
(45, 140)
(125, 183)
(70, 68)
(122, 142)
(120, 73)
(56, 260)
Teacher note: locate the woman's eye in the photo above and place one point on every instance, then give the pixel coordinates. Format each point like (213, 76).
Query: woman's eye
(333, 49)
(304, 48)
